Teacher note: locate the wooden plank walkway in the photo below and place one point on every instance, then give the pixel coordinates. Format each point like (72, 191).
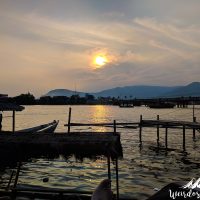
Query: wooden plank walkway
(121, 125)
(170, 124)
(45, 144)
(103, 124)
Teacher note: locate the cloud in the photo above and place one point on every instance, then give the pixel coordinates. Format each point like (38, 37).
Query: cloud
(178, 34)
(52, 45)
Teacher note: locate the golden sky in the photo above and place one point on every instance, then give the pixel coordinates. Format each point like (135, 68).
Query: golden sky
(47, 44)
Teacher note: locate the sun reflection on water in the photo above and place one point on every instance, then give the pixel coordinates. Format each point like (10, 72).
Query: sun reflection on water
(99, 115)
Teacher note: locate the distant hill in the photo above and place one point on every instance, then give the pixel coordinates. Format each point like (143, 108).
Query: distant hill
(140, 91)
(193, 89)
(135, 91)
(64, 92)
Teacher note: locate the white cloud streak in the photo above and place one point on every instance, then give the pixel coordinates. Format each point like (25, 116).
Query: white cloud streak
(37, 45)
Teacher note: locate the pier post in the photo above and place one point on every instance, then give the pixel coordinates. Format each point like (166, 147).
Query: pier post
(158, 132)
(17, 174)
(13, 124)
(140, 134)
(69, 119)
(194, 130)
(166, 137)
(114, 126)
(10, 179)
(183, 138)
(117, 178)
(109, 172)
(193, 108)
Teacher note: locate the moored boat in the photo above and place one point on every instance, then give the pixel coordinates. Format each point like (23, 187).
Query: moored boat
(126, 106)
(51, 128)
(161, 105)
(47, 128)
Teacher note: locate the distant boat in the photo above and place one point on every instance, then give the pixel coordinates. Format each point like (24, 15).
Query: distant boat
(126, 106)
(161, 105)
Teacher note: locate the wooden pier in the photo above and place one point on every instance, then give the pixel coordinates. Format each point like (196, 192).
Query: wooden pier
(78, 143)
(13, 108)
(21, 146)
(180, 102)
(158, 124)
(169, 124)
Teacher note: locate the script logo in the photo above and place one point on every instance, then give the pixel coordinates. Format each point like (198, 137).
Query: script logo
(192, 184)
(187, 191)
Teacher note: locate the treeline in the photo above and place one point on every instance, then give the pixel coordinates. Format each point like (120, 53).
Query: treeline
(22, 99)
(29, 99)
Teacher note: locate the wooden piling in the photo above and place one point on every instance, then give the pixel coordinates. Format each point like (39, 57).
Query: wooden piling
(194, 130)
(183, 138)
(10, 179)
(109, 171)
(193, 108)
(114, 126)
(117, 178)
(166, 137)
(13, 125)
(140, 131)
(69, 119)
(158, 131)
(17, 174)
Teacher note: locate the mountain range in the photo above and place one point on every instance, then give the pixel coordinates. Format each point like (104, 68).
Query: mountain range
(138, 91)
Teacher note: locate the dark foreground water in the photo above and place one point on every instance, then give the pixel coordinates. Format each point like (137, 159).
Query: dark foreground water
(141, 171)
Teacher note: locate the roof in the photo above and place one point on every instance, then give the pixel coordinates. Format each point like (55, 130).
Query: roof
(10, 107)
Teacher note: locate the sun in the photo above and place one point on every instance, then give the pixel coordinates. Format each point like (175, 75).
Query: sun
(100, 61)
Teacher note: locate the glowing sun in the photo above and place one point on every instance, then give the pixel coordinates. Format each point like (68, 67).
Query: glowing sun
(100, 60)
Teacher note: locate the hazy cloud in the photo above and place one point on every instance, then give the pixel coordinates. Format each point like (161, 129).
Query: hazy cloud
(51, 44)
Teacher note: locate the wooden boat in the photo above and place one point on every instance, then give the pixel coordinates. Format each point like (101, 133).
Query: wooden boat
(51, 128)
(47, 128)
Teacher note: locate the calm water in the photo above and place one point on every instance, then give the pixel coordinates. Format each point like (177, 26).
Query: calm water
(140, 171)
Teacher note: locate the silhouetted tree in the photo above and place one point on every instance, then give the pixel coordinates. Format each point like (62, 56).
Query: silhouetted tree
(89, 97)
(24, 99)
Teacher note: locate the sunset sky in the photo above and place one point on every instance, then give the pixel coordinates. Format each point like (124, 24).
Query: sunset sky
(97, 44)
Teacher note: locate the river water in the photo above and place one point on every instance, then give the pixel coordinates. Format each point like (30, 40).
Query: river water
(142, 170)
